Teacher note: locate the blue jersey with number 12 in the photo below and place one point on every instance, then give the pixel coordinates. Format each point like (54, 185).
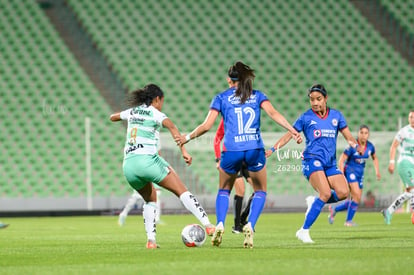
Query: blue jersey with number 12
(241, 121)
(321, 134)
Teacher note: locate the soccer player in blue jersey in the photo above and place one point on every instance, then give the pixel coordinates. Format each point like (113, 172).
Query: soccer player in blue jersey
(240, 107)
(320, 125)
(352, 164)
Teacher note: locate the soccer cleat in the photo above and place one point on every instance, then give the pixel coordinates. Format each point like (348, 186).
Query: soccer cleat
(412, 218)
(210, 229)
(3, 225)
(331, 216)
(309, 201)
(151, 244)
(248, 236)
(237, 229)
(121, 220)
(387, 216)
(350, 224)
(218, 234)
(303, 235)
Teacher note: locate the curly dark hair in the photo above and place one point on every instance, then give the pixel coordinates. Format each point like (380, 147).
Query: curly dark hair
(144, 95)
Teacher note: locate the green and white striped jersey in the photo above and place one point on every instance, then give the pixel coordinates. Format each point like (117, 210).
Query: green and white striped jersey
(143, 134)
(406, 139)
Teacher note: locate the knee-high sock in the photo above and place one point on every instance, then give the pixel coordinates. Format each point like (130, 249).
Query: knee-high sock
(149, 212)
(343, 206)
(313, 213)
(399, 201)
(412, 203)
(353, 207)
(222, 205)
(130, 203)
(191, 203)
(246, 211)
(238, 203)
(257, 206)
(158, 217)
(333, 198)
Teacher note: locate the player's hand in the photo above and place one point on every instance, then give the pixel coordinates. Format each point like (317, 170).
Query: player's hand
(180, 140)
(187, 158)
(391, 168)
(297, 137)
(378, 176)
(268, 153)
(360, 150)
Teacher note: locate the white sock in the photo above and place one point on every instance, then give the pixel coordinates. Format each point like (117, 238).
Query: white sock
(158, 217)
(149, 212)
(191, 203)
(399, 201)
(412, 199)
(130, 203)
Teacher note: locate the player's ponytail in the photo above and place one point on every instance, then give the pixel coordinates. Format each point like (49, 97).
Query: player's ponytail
(244, 75)
(145, 95)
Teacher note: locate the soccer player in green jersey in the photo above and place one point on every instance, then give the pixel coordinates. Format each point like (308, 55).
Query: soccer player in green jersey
(142, 164)
(405, 167)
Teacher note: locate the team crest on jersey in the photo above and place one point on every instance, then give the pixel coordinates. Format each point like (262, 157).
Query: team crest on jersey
(317, 163)
(317, 133)
(352, 176)
(335, 122)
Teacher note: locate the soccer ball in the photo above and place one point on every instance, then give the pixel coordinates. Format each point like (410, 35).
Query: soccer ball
(193, 235)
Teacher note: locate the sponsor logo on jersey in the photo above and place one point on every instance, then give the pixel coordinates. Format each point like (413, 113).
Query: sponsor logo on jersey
(233, 99)
(312, 122)
(317, 133)
(259, 164)
(133, 148)
(317, 163)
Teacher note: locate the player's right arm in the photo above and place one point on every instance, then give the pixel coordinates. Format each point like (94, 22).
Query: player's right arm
(341, 162)
(115, 117)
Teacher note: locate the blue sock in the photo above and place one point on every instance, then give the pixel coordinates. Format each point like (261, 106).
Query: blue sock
(222, 205)
(351, 211)
(256, 207)
(314, 212)
(343, 206)
(333, 198)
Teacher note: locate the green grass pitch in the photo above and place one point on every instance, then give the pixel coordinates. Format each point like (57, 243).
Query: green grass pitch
(97, 245)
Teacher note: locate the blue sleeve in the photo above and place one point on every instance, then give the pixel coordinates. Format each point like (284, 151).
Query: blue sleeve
(373, 149)
(342, 122)
(216, 103)
(298, 125)
(349, 151)
(262, 97)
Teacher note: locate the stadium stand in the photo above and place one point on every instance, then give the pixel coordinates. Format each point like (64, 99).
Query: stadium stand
(46, 97)
(401, 11)
(175, 43)
(186, 48)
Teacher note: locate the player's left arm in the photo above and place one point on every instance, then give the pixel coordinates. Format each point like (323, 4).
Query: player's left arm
(167, 123)
(280, 119)
(376, 166)
(351, 140)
